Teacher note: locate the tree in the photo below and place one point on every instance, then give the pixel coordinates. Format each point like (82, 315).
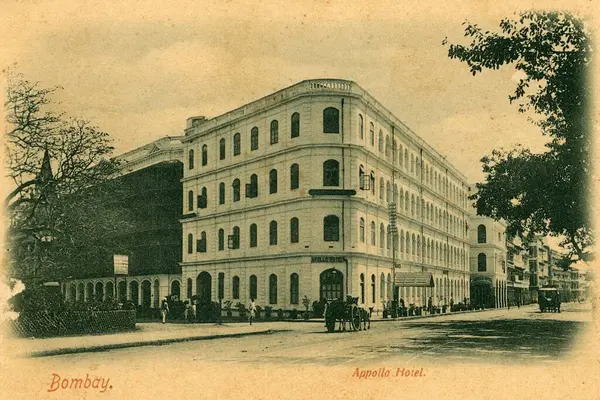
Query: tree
(65, 210)
(543, 193)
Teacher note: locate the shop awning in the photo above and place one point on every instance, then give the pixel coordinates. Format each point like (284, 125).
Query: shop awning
(414, 279)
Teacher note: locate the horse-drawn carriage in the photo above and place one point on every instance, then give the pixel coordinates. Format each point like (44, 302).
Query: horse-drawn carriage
(549, 299)
(346, 311)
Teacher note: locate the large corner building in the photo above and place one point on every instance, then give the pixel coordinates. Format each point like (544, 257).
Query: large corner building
(295, 194)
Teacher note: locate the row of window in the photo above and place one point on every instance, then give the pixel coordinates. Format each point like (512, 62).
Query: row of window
(431, 248)
(331, 124)
(330, 178)
(430, 175)
(252, 285)
(331, 233)
(418, 206)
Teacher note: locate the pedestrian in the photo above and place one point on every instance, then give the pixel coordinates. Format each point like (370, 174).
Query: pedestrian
(508, 304)
(430, 305)
(252, 309)
(164, 309)
(186, 310)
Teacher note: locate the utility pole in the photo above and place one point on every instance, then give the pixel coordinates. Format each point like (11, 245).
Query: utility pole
(393, 227)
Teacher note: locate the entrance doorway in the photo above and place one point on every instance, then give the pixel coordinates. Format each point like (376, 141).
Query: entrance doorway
(331, 284)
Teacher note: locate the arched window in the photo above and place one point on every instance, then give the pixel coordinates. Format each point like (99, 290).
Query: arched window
(412, 163)
(273, 233)
(294, 230)
(395, 197)
(362, 288)
(373, 234)
(235, 286)
(387, 146)
(295, 125)
(294, 288)
(372, 288)
(414, 245)
(237, 145)
(380, 141)
(221, 238)
(190, 243)
(481, 234)
(204, 155)
(222, 149)
(253, 286)
(412, 204)
(361, 126)
(254, 139)
(405, 158)
(273, 181)
(381, 236)
(236, 190)
(274, 131)
(361, 232)
(372, 133)
(400, 156)
(481, 262)
(331, 120)
(402, 241)
(236, 237)
(388, 192)
(221, 193)
(191, 159)
(203, 198)
(331, 175)
(381, 188)
(253, 235)
(189, 288)
(201, 244)
(252, 188)
(331, 228)
(388, 238)
(294, 176)
(190, 200)
(272, 289)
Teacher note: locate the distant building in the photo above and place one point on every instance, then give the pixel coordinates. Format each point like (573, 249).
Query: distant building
(488, 262)
(518, 275)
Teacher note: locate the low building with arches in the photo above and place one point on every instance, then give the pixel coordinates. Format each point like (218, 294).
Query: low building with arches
(153, 244)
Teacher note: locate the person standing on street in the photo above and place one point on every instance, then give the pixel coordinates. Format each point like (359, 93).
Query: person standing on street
(252, 310)
(164, 309)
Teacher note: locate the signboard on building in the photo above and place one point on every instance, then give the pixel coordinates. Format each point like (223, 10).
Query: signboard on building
(326, 259)
(121, 264)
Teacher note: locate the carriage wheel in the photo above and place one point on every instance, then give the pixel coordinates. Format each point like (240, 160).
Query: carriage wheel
(355, 319)
(330, 323)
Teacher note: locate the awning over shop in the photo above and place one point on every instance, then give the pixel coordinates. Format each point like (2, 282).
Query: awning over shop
(414, 279)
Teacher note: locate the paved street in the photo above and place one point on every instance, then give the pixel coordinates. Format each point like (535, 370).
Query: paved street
(503, 336)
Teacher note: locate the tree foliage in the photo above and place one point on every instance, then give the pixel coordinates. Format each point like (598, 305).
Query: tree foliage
(548, 192)
(65, 209)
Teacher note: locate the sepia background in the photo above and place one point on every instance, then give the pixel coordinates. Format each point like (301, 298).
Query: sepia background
(139, 69)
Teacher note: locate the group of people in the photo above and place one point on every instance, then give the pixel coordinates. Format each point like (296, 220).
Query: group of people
(190, 310)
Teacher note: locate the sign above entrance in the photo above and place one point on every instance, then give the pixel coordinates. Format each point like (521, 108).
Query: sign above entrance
(121, 264)
(326, 259)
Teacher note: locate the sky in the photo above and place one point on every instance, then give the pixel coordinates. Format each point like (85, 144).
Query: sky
(137, 70)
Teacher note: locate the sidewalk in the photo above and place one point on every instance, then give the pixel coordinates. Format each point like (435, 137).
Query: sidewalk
(145, 334)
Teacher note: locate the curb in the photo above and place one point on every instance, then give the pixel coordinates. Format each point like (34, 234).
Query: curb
(158, 342)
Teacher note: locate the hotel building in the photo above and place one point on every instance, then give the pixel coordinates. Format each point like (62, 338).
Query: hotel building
(299, 193)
